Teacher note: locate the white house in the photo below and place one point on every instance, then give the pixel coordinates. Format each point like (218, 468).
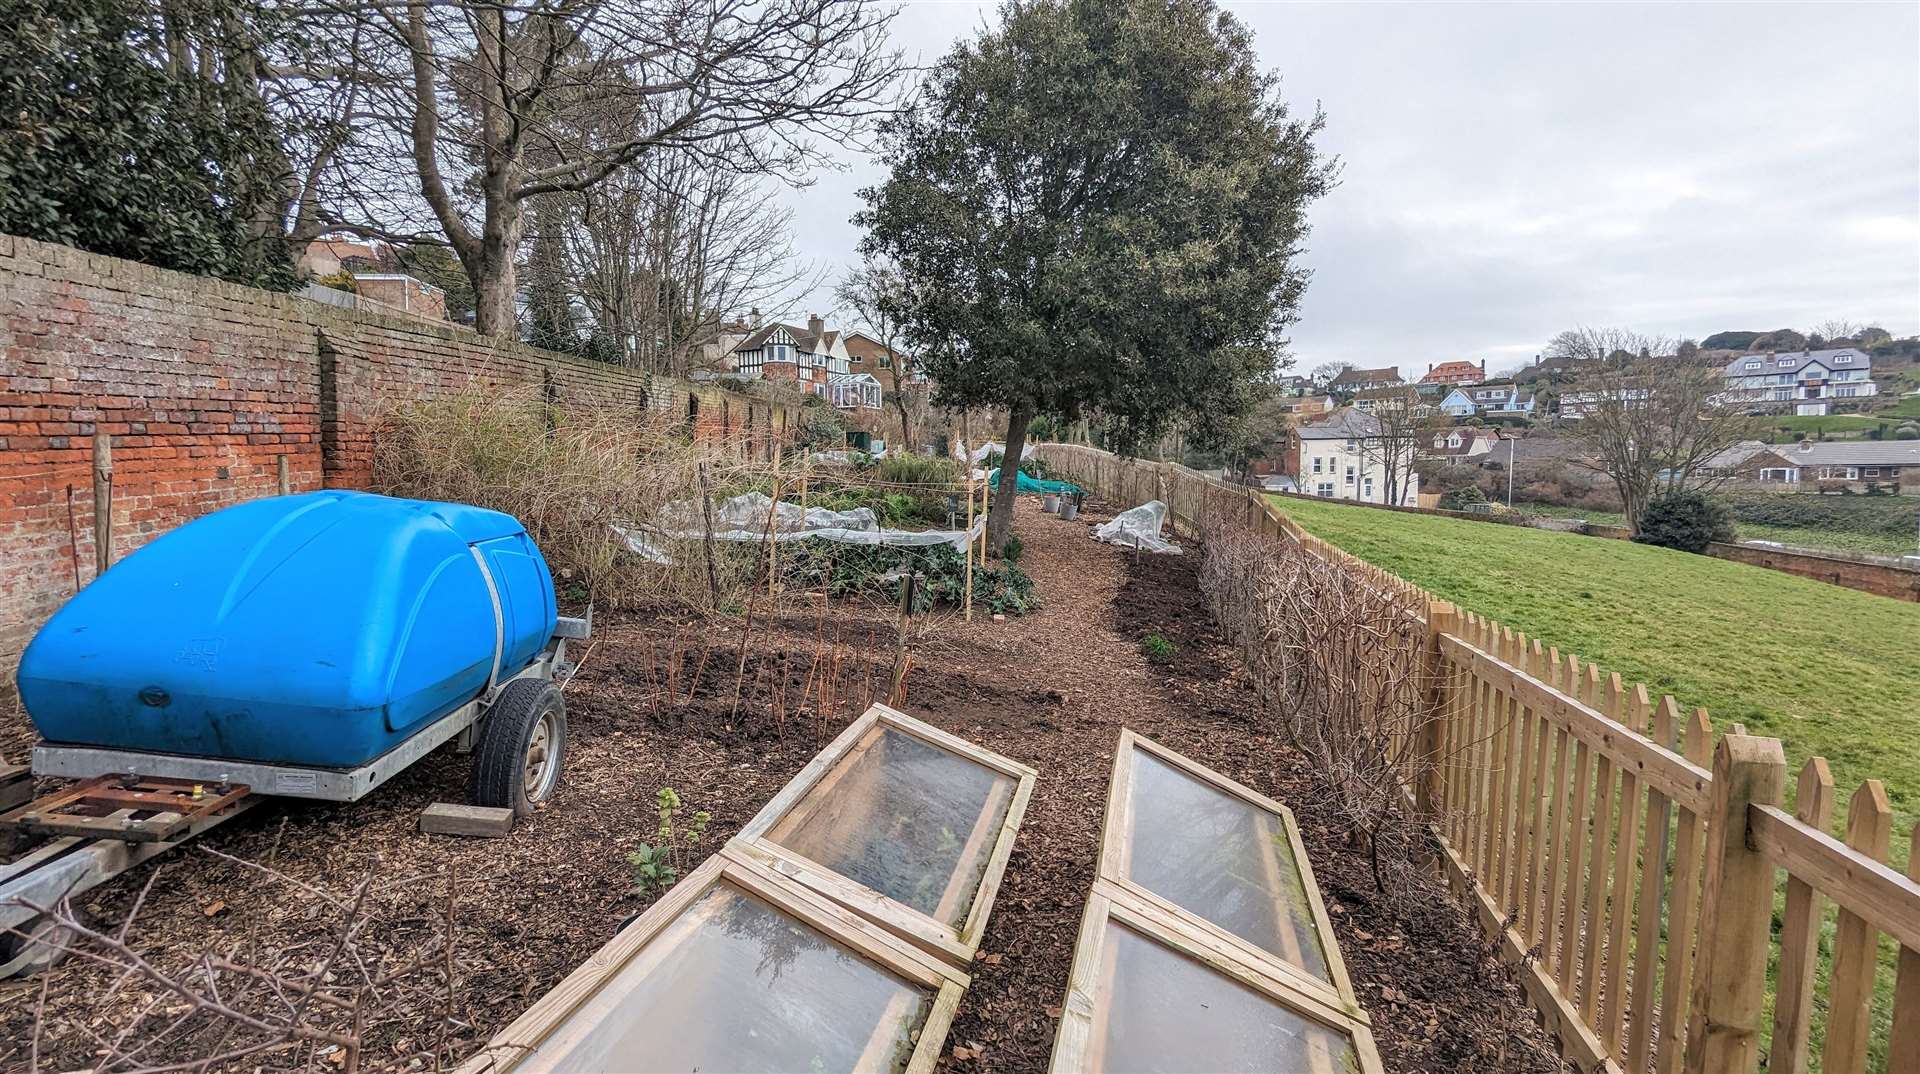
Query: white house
(1345, 458)
(1804, 381)
(1458, 404)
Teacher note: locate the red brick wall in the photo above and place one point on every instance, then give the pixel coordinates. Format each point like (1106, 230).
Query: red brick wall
(203, 385)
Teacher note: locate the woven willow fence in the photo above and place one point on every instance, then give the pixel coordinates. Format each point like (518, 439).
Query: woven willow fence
(1624, 859)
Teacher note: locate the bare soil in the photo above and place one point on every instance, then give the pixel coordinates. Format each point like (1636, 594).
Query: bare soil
(1051, 689)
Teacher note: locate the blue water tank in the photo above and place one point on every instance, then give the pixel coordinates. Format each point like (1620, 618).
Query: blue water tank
(320, 629)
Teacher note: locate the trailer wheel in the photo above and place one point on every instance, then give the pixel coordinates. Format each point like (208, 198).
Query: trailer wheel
(36, 946)
(523, 743)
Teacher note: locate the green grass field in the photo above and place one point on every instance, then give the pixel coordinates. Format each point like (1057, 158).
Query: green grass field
(1814, 537)
(1828, 671)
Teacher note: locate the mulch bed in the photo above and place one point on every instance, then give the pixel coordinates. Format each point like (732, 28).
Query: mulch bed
(1051, 688)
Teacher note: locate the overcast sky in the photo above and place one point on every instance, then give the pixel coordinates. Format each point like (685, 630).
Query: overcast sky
(1514, 170)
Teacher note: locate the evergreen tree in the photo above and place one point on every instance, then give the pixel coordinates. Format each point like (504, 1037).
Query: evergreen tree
(1098, 208)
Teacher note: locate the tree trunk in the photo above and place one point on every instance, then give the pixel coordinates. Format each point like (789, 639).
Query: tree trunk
(1000, 518)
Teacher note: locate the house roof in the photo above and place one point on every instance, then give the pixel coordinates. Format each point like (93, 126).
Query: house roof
(1345, 423)
(1366, 376)
(802, 339)
(1743, 454)
(853, 378)
(1391, 391)
(1791, 363)
(1470, 439)
(1531, 449)
(1852, 453)
(1451, 369)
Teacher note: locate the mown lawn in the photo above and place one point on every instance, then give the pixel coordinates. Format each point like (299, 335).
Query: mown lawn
(1828, 671)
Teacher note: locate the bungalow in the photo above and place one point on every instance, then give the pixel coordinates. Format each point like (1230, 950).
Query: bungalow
(1859, 461)
(1495, 399)
(1455, 373)
(1360, 380)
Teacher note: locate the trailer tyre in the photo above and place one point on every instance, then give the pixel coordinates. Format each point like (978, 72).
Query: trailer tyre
(523, 744)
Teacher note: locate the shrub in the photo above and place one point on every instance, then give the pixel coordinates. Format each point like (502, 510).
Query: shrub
(658, 864)
(907, 469)
(1688, 521)
(1462, 498)
(1157, 648)
(1907, 432)
(1013, 549)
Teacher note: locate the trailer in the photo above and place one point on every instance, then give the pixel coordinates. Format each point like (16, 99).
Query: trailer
(299, 647)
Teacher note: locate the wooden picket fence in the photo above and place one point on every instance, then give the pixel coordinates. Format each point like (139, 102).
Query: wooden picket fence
(1626, 862)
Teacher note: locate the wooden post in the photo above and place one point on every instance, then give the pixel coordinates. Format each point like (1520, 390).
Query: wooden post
(806, 470)
(102, 501)
(966, 600)
(1856, 943)
(286, 476)
(773, 513)
(1731, 982)
(1800, 934)
(1427, 792)
(1903, 1044)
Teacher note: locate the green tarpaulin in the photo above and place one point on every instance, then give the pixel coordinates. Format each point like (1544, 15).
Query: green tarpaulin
(1027, 483)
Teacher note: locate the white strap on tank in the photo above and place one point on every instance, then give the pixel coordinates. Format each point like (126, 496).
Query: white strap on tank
(499, 620)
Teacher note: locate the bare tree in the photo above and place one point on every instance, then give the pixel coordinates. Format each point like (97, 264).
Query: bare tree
(1324, 373)
(668, 248)
(473, 109)
(1651, 423)
(1398, 424)
(877, 294)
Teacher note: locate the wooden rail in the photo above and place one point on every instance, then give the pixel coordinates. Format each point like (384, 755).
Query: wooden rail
(1621, 858)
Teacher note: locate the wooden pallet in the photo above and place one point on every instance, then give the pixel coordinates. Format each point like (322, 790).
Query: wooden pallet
(146, 809)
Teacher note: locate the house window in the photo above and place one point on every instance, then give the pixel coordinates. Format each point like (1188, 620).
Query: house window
(1843, 359)
(1353, 445)
(1316, 463)
(1846, 391)
(1366, 489)
(1350, 474)
(1873, 471)
(1753, 365)
(1326, 488)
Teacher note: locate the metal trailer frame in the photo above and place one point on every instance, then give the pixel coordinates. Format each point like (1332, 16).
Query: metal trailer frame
(69, 865)
(299, 781)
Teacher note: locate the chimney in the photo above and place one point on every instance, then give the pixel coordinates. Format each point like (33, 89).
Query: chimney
(1429, 367)
(1806, 445)
(815, 325)
(753, 317)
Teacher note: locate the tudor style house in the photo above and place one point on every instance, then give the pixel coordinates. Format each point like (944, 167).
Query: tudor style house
(1803, 382)
(815, 359)
(1359, 380)
(1345, 457)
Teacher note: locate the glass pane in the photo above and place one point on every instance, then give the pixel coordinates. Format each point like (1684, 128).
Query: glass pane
(734, 984)
(906, 818)
(1167, 1014)
(1222, 858)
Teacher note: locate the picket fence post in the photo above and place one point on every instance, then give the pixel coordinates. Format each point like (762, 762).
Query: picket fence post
(1441, 619)
(1730, 984)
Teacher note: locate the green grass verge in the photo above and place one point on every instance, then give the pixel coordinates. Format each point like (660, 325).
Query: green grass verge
(1828, 671)
(1811, 537)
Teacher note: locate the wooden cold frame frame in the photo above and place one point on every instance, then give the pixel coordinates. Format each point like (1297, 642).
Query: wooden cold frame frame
(1116, 848)
(955, 944)
(518, 1048)
(1080, 1041)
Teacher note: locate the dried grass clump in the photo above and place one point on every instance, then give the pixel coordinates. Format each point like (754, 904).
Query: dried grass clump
(569, 474)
